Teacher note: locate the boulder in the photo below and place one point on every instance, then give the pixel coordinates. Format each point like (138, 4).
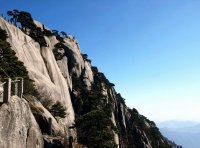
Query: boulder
(18, 127)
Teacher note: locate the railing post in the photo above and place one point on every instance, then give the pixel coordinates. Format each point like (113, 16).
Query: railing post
(50, 126)
(7, 90)
(15, 87)
(1, 93)
(20, 84)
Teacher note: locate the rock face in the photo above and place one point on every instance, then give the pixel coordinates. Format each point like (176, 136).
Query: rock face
(61, 73)
(18, 126)
(42, 116)
(42, 67)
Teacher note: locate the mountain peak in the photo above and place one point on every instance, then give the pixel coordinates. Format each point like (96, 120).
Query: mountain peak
(72, 102)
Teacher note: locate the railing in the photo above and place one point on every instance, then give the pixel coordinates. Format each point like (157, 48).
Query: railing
(1, 91)
(5, 89)
(18, 87)
(2, 84)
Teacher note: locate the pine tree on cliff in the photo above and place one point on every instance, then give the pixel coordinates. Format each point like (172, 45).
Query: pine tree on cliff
(58, 110)
(27, 22)
(9, 63)
(14, 14)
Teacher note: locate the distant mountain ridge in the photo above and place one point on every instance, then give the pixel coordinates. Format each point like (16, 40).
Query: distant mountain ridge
(185, 133)
(175, 124)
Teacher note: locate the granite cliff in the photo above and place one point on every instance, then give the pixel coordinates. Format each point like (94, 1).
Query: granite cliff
(95, 114)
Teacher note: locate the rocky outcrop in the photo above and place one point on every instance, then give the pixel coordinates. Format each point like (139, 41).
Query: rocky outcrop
(42, 116)
(18, 127)
(42, 67)
(62, 74)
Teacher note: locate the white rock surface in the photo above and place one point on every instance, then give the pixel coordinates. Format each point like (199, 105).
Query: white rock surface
(116, 137)
(18, 127)
(123, 114)
(52, 78)
(88, 75)
(62, 64)
(1, 93)
(80, 67)
(42, 67)
(56, 128)
(75, 56)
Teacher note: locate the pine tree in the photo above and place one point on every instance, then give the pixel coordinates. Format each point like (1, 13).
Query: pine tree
(58, 110)
(9, 63)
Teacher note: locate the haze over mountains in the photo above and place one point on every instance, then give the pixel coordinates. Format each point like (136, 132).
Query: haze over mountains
(176, 124)
(185, 133)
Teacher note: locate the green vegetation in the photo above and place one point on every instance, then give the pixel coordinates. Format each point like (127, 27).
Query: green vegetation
(93, 130)
(28, 26)
(121, 99)
(94, 69)
(93, 122)
(60, 36)
(147, 126)
(58, 53)
(64, 34)
(100, 78)
(9, 63)
(93, 109)
(11, 67)
(58, 110)
(85, 58)
(47, 32)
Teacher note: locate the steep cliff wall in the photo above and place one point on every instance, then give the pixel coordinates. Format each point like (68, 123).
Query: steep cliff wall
(42, 67)
(61, 73)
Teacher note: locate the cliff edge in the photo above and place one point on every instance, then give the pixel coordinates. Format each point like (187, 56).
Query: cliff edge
(81, 103)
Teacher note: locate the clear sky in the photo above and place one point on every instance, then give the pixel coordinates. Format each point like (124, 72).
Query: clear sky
(150, 49)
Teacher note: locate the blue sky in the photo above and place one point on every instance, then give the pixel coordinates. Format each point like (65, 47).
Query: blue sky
(148, 48)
